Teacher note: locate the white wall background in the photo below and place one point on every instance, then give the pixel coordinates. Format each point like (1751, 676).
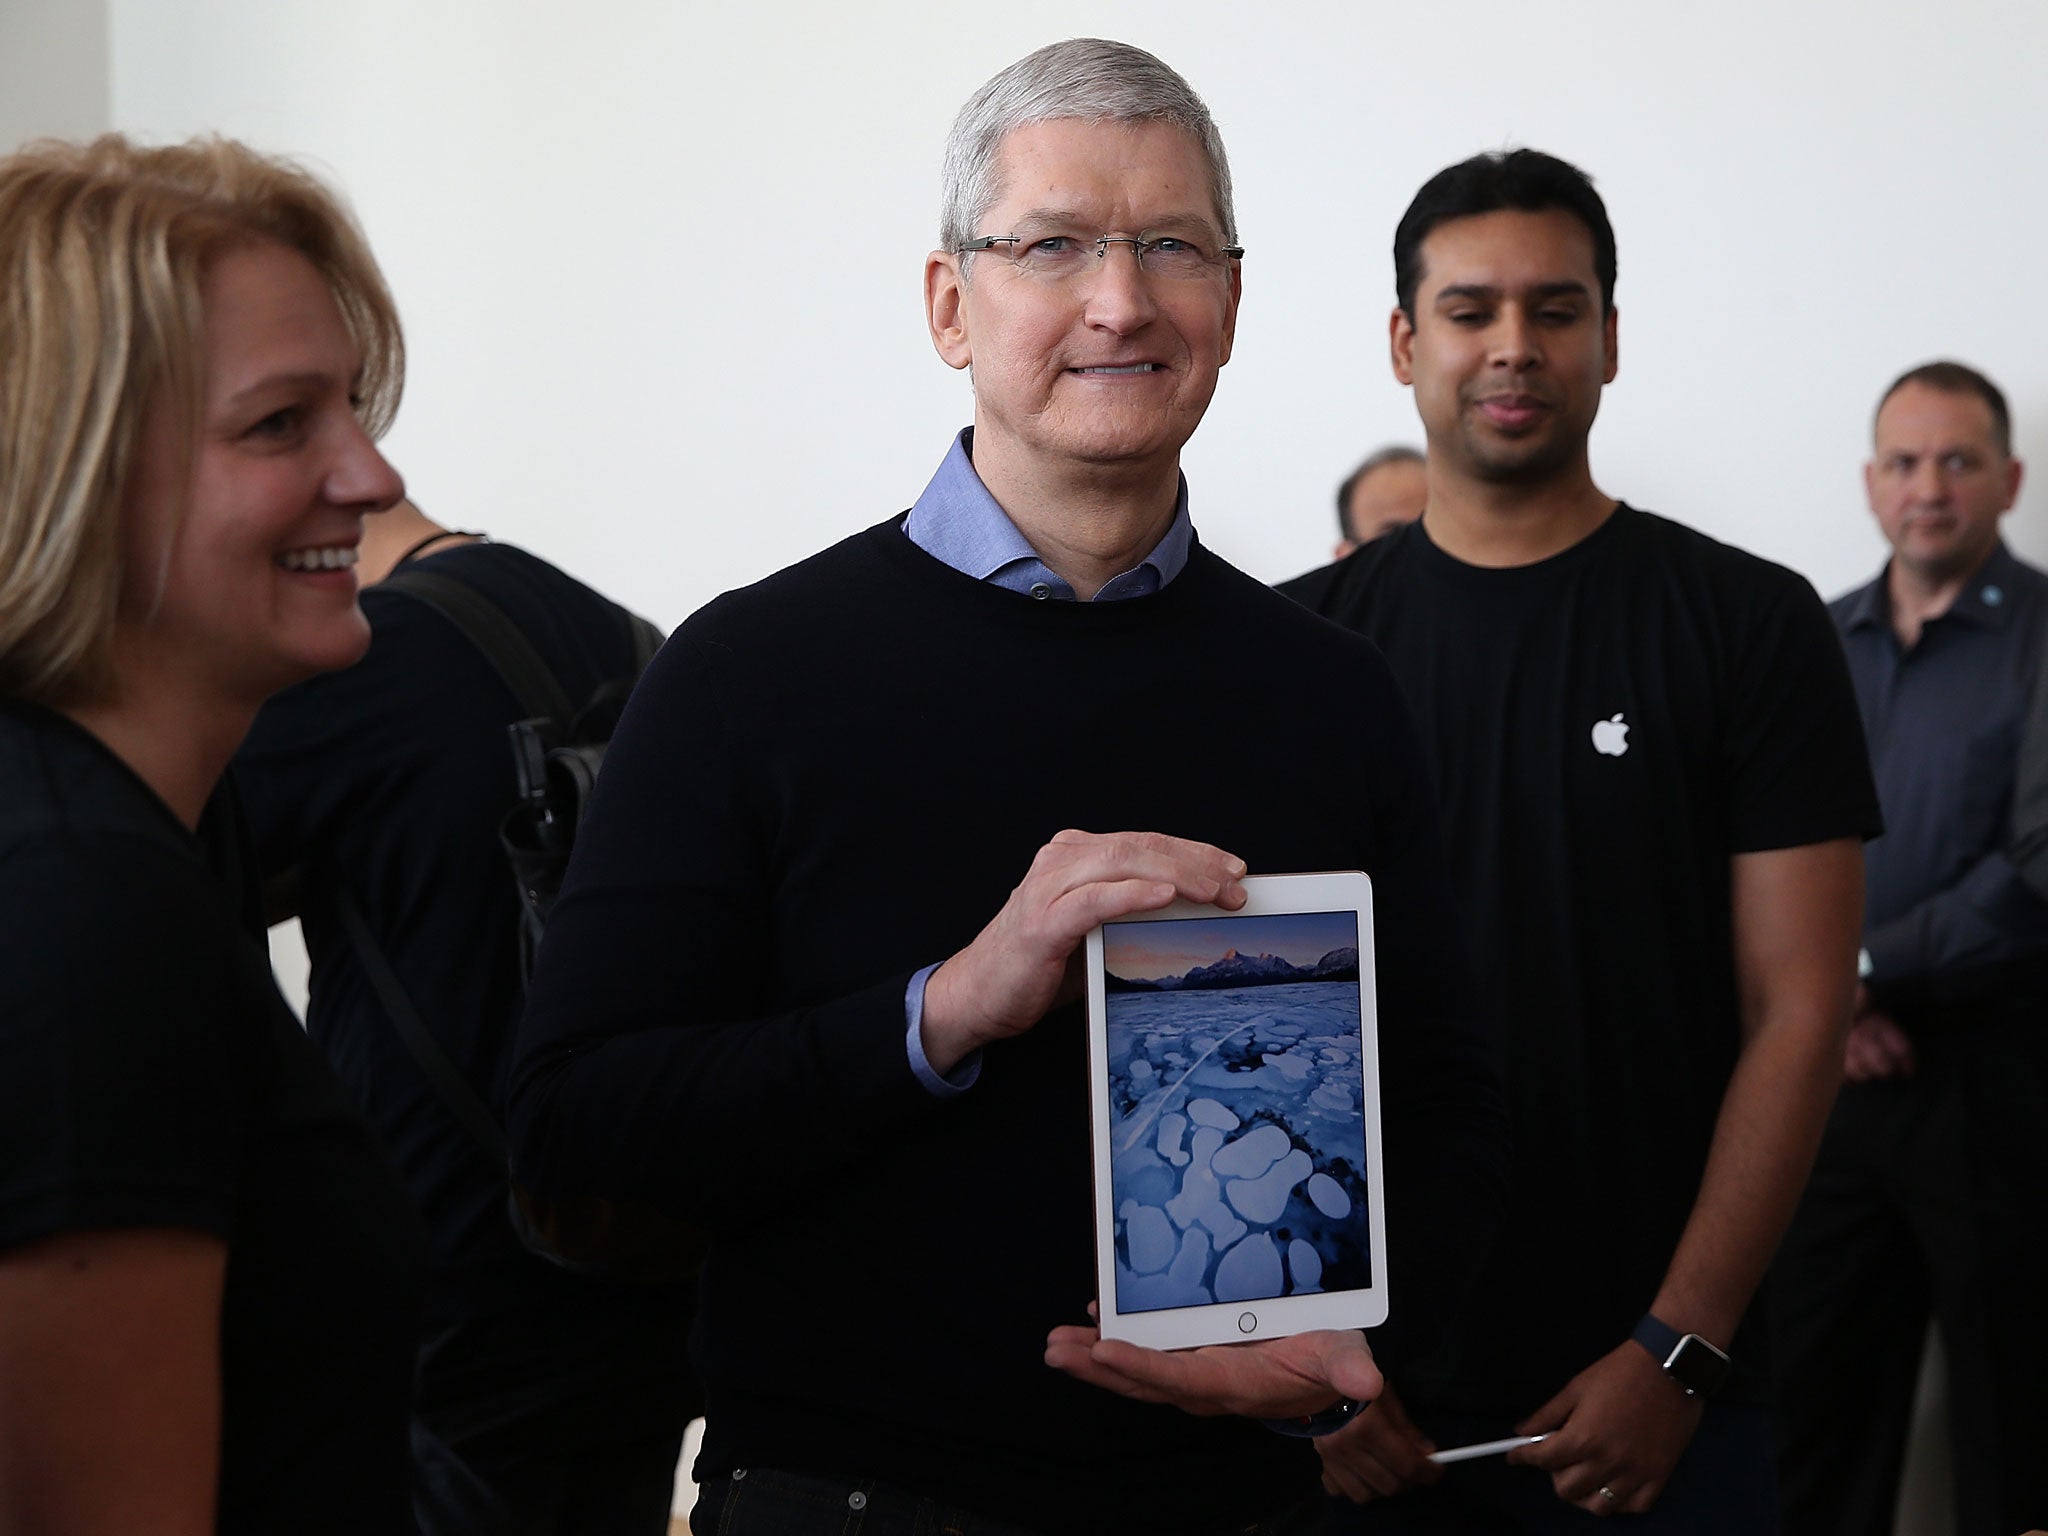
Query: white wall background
(660, 262)
(53, 70)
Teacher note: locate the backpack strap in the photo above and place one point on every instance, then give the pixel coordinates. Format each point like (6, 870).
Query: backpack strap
(488, 628)
(447, 1080)
(533, 683)
(540, 693)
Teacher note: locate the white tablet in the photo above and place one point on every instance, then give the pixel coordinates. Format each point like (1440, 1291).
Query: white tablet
(1234, 1069)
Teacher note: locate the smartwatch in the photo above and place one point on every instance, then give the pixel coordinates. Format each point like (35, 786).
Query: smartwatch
(1699, 1369)
(1313, 1426)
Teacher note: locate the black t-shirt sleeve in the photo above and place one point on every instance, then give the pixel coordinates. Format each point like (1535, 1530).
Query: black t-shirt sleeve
(118, 1097)
(1798, 770)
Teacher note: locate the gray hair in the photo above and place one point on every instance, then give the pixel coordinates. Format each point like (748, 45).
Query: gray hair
(1083, 77)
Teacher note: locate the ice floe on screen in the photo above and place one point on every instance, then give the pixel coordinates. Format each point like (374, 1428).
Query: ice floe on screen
(1237, 1143)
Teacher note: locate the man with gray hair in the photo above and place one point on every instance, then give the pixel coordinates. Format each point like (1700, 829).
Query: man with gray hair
(773, 1000)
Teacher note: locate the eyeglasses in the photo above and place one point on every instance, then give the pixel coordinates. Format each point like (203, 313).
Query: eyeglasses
(1054, 258)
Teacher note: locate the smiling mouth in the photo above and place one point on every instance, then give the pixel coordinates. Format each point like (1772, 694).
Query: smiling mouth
(335, 557)
(1513, 410)
(1120, 368)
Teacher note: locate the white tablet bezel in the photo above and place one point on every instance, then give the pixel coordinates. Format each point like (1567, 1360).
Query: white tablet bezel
(1273, 1317)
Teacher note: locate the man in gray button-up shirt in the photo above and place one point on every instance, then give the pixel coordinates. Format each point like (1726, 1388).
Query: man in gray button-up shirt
(1926, 1194)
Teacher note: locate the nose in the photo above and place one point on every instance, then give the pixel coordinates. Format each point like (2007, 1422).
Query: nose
(361, 477)
(1929, 481)
(1514, 339)
(1119, 294)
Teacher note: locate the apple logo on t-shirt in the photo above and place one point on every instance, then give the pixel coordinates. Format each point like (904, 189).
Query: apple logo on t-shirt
(1610, 737)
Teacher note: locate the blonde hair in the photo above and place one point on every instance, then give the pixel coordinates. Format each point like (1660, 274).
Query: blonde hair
(103, 249)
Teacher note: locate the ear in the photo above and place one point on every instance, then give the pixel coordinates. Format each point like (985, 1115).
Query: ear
(1230, 314)
(2015, 472)
(1401, 345)
(945, 308)
(1870, 485)
(1610, 339)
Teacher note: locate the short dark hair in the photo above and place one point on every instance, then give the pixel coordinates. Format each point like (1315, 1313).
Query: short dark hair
(1526, 180)
(1957, 379)
(1397, 453)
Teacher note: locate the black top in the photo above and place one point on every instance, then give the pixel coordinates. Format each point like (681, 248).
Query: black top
(834, 778)
(1947, 918)
(1312, 588)
(150, 1076)
(1607, 726)
(390, 778)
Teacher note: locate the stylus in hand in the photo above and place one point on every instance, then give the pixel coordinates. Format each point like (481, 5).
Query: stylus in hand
(1484, 1448)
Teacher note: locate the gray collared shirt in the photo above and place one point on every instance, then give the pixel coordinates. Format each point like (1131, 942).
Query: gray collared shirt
(1944, 720)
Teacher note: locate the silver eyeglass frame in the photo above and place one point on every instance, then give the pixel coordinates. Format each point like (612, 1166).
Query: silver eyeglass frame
(1139, 244)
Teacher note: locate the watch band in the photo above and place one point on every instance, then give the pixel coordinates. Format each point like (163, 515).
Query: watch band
(1698, 1368)
(1314, 1425)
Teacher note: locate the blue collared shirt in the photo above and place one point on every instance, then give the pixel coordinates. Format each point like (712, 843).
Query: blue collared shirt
(958, 522)
(1944, 720)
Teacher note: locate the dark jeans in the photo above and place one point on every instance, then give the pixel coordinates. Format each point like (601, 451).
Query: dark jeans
(760, 1501)
(1926, 1198)
(546, 1424)
(1724, 1485)
(624, 1491)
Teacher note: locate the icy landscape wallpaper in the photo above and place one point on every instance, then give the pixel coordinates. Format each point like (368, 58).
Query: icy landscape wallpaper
(1237, 1132)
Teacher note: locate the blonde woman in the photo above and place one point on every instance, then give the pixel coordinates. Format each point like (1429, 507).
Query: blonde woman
(208, 1275)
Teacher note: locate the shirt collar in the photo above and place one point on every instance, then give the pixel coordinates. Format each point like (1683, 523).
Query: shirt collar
(958, 522)
(1986, 597)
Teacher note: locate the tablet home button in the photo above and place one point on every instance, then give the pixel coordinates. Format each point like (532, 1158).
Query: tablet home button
(1248, 1322)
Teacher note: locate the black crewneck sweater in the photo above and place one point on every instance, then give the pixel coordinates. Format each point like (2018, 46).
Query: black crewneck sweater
(833, 778)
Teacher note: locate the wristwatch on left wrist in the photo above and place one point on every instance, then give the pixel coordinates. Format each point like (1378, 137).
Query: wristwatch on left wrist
(1694, 1365)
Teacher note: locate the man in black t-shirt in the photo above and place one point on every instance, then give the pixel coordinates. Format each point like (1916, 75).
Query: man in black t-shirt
(544, 1401)
(1654, 793)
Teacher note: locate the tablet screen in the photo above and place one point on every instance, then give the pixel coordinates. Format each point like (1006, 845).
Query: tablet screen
(1236, 1124)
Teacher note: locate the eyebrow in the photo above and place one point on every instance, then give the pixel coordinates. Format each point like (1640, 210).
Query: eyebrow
(1068, 218)
(1556, 290)
(284, 381)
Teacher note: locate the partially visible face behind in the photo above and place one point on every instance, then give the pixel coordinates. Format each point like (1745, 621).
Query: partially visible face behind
(1032, 344)
(1509, 348)
(1391, 495)
(255, 587)
(1937, 481)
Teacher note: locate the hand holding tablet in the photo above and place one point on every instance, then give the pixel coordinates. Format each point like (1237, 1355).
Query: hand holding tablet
(1276, 1378)
(1021, 964)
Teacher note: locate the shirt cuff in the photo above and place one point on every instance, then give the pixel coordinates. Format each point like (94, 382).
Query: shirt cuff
(962, 1077)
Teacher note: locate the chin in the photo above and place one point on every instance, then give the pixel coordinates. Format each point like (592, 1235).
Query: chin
(307, 655)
